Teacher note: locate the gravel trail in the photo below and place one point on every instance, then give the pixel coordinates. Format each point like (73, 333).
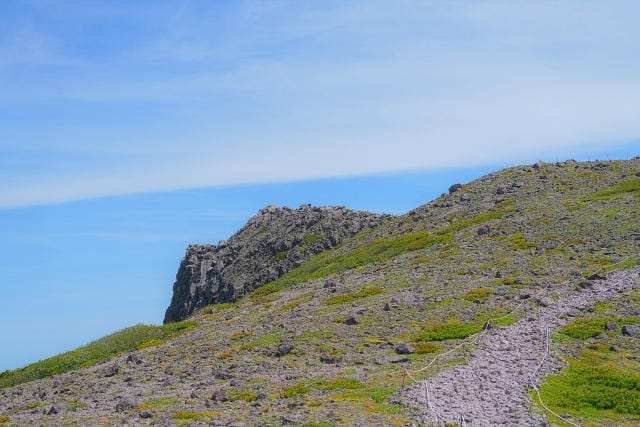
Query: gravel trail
(492, 388)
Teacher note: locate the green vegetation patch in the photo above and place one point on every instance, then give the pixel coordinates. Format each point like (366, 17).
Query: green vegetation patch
(594, 390)
(135, 337)
(478, 293)
(160, 402)
(363, 293)
(520, 242)
(280, 256)
(591, 327)
(321, 383)
(186, 415)
(631, 186)
(452, 329)
(311, 238)
(245, 395)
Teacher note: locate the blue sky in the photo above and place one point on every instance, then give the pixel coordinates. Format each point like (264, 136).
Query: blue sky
(128, 129)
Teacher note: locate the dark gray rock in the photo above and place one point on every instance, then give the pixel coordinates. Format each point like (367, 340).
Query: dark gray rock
(283, 350)
(52, 410)
(145, 415)
(111, 371)
(631, 330)
(454, 188)
(483, 230)
(327, 358)
(134, 359)
(124, 405)
(386, 307)
(596, 276)
(544, 301)
(219, 395)
(351, 321)
(272, 243)
(405, 348)
(392, 359)
(526, 294)
(611, 326)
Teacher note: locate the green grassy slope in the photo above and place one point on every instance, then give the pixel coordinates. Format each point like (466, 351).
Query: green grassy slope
(132, 338)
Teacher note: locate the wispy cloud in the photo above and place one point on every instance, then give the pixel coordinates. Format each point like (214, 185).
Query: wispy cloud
(193, 95)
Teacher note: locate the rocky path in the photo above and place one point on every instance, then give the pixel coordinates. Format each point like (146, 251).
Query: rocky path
(492, 388)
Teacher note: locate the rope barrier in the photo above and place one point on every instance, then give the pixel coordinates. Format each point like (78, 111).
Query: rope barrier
(474, 338)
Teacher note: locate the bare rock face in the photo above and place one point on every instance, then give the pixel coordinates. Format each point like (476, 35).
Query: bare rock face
(272, 243)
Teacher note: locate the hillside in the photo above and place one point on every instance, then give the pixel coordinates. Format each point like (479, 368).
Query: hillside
(462, 291)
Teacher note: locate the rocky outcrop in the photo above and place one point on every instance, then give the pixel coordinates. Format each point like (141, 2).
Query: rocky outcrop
(273, 242)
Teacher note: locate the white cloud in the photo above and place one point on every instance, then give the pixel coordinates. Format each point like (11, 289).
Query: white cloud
(292, 93)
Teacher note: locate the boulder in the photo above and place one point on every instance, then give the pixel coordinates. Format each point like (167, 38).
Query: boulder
(405, 348)
(631, 330)
(483, 230)
(454, 188)
(124, 405)
(328, 359)
(351, 321)
(283, 350)
(611, 326)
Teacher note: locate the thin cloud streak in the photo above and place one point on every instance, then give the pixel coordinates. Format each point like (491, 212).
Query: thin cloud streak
(263, 92)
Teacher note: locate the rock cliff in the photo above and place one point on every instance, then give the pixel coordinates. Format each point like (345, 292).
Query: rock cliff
(273, 242)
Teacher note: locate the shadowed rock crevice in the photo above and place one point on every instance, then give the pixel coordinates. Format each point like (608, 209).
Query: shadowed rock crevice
(272, 243)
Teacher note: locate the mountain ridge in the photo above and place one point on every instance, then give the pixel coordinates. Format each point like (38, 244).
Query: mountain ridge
(327, 343)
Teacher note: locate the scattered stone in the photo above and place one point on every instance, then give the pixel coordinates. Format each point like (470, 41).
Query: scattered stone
(500, 190)
(351, 321)
(124, 405)
(392, 359)
(611, 326)
(601, 336)
(483, 230)
(596, 276)
(326, 358)
(145, 415)
(538, 164)
(573, 312)
(454, 188)
(219, 395)
(405, 348)
(223, 375)
(526, 294)
(585, 284)
(386, 307)
(134, 359)
(329, 284)
(111, 371)
(631, 330)
(283, 350)
(544, 301)
(52, 410)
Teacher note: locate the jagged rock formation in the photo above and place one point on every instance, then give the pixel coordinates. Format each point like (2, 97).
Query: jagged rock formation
(273, 242)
